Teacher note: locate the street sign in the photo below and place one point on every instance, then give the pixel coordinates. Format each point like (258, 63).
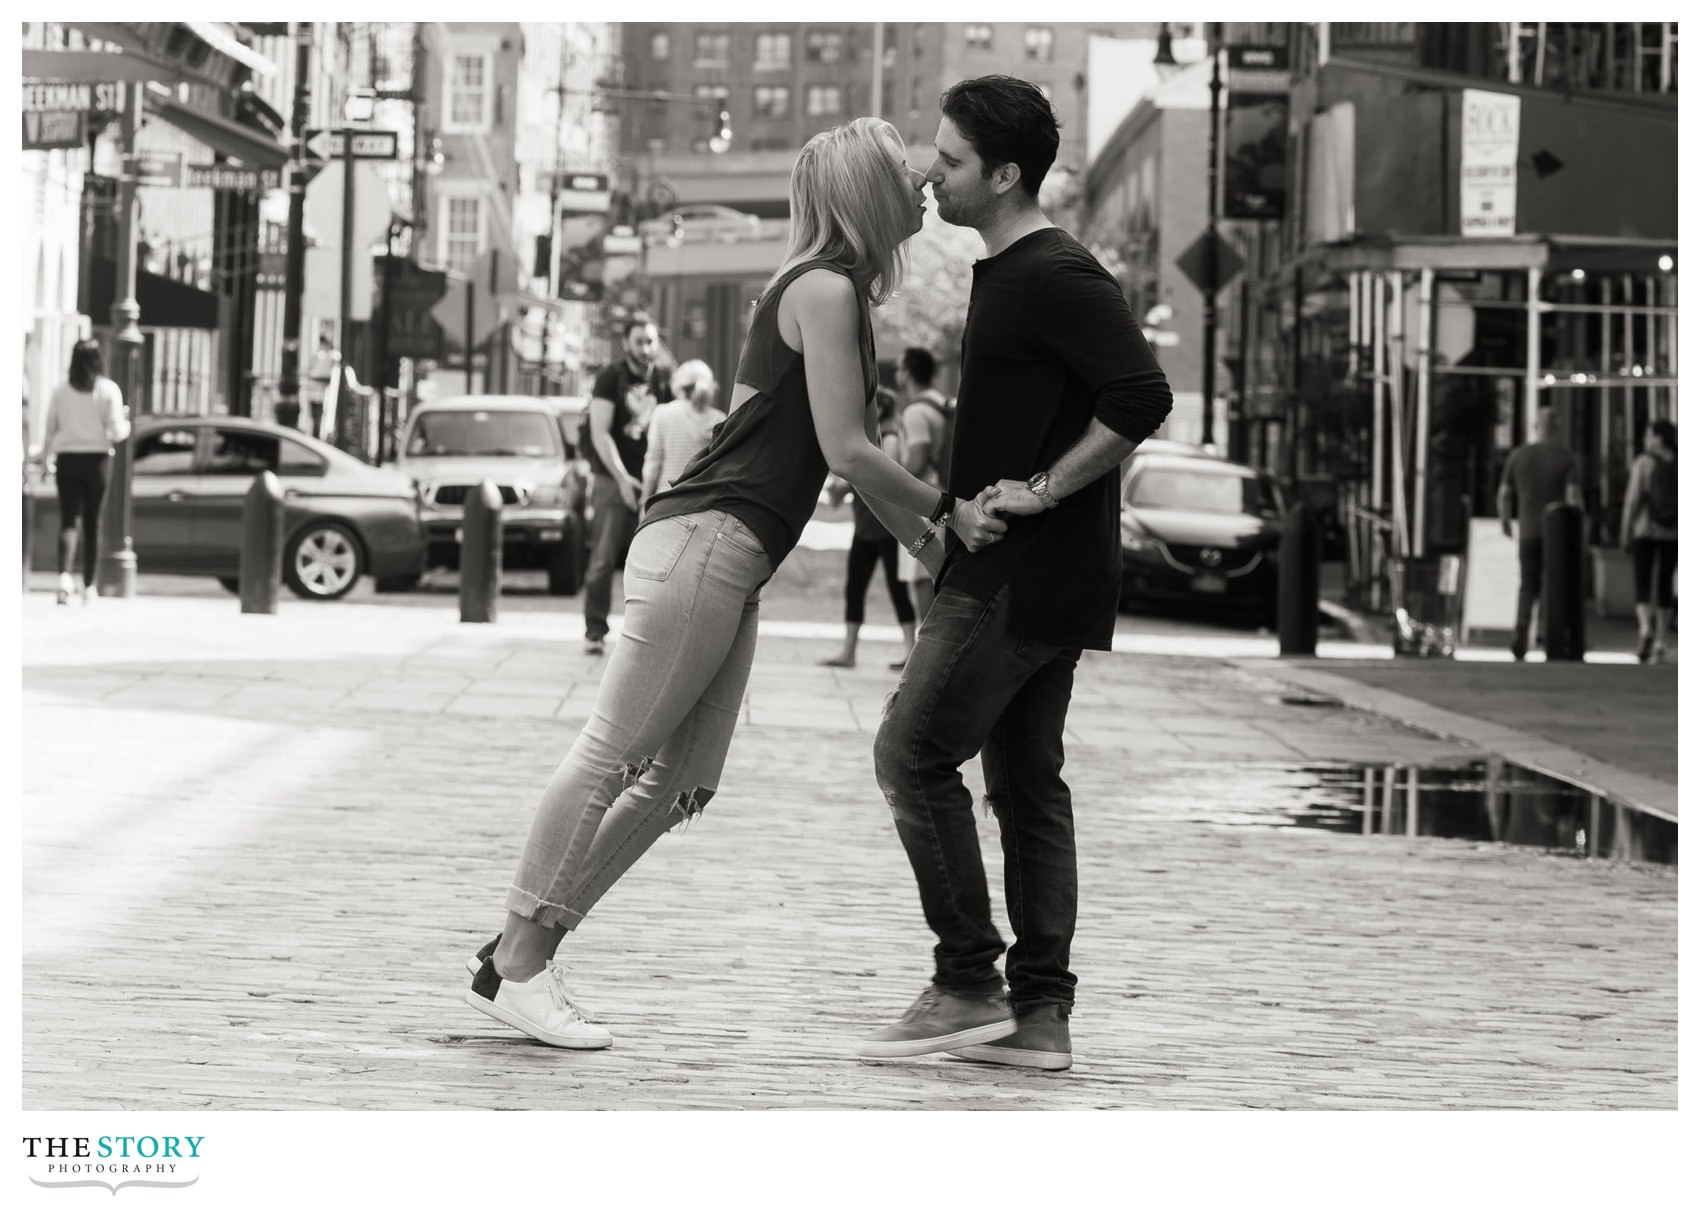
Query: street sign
(41, 96)
(51, 128)
(450, 310)
(362, 144)
(412, 331)
(589, 183)
(224, 176)
(1194, 265)
(162, 170)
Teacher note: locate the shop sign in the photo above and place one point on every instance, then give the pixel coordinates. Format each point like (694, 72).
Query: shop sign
(1487, 163)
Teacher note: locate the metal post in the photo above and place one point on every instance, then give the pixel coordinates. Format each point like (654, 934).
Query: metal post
(1532, 357)
(1396, 415)
(1210, 239)
(1419, 478)
(345, 329)
(288, 411)
(1564, 619)
(260, 566)
(470, 296)
(115, 571)
(1299, 582)
(481, 554)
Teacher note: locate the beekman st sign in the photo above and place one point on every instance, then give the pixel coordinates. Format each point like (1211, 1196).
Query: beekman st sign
(55, 113)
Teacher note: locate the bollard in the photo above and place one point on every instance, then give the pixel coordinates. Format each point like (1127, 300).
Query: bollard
(261, 567)
(481, 555)
(1300, 583)
(29, 531)
(1561, 586)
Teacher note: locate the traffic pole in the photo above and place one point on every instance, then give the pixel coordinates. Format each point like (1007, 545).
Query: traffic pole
(1299, 584)
(288, 410)
(481, 554)
(115, 570)
(1561, 587)
(260, 572)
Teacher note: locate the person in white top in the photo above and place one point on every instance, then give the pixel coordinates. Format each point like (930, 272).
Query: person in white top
(679, 430)
(84, 418)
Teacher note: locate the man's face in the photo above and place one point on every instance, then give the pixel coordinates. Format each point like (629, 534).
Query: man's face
(641, 344)
(902, 377)
(962, 191)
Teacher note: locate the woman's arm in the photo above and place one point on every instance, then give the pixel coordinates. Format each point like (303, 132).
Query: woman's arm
(653, 458)
(50, 429)
(1632, 499)
(820, 308)
(117, 424)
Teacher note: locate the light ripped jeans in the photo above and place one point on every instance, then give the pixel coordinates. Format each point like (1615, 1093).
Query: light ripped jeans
(652, 752)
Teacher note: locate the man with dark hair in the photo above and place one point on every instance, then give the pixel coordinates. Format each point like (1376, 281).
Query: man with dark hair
(1058, 387)
(623, 400)
(925, 452)
(1543, 472)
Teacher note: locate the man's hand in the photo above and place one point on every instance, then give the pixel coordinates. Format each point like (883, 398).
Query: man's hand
(1010, 497)
(1505, 526)
(974, 526)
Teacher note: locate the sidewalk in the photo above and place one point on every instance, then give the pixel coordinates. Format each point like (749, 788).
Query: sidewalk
(319, 811)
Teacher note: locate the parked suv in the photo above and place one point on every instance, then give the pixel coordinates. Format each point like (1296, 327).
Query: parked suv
(525, 445)
(1198, 528)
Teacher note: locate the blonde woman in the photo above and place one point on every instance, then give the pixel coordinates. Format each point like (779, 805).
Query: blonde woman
(679, 430)
(802, 405)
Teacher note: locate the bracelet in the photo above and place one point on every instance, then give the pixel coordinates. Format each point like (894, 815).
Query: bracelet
(942, 511)
(920, 543)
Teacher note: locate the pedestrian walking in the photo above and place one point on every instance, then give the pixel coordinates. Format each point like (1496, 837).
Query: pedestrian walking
(652, 752)
(1540, 473)
(623, 400)
(872, 544)
(1058, 387)
(926, 434)
(681, 428)
(1649, 532)
(85, 417)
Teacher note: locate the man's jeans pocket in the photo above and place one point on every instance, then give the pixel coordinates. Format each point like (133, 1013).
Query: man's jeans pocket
(657, 547)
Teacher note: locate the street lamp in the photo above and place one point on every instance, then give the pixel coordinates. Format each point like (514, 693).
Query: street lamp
(1211, 239)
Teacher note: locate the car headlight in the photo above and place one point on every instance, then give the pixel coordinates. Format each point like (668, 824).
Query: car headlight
(549, 496)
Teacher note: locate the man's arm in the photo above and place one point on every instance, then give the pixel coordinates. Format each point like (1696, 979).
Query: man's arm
(602, 438)
(1089, 327)
(1507, 502)
(917, 440)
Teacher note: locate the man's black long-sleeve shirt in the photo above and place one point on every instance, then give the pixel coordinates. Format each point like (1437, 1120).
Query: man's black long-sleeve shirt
(1049, 344)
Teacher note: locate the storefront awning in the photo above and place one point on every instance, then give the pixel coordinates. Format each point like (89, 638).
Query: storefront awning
(218, 36)
(253, 148)
(1616, 254)
(164, 302)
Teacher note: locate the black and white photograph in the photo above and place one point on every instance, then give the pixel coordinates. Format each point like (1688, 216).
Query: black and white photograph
(871, 566)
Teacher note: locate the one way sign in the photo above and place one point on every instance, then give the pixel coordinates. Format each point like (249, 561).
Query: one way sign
(323, 144)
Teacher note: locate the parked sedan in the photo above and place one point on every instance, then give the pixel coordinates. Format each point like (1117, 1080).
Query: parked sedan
(343, 519)
(1199, 528)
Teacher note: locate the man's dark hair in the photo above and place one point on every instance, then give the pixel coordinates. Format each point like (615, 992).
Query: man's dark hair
(920, 366)
(638, 320)
(1008, 121)
(1666, 431)
(87, 365)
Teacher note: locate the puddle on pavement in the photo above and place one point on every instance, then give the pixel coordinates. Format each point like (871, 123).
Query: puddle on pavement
(1488, 801)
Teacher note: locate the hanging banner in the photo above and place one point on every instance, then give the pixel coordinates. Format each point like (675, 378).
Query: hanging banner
(1487, 163)
(1254, 134)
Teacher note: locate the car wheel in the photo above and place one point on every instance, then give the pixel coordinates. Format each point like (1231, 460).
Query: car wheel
(566, 565)
(233, 584)
(402, 584)
(323, 562)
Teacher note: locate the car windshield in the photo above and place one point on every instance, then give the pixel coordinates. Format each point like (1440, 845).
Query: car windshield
(1205, 489)
(477, 432)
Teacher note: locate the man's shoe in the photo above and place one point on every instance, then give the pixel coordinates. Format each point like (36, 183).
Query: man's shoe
(593, 648)
(1040, 1042)
(541, 1007)
(940, 1020)
(1519, 649)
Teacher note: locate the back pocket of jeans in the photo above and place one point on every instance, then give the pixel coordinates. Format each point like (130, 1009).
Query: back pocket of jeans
(657, 548)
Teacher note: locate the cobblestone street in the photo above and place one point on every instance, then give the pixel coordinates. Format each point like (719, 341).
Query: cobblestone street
(320, 811)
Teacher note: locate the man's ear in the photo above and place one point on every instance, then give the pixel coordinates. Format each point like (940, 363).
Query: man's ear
(1006, 177)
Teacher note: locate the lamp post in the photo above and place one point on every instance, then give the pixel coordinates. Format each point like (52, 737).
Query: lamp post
(115, 572)
(295, 258)
(1211, 239)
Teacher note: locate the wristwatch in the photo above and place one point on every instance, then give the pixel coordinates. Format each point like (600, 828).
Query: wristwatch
(1038, 485)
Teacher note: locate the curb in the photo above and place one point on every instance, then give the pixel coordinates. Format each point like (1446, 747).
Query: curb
(1649, 795)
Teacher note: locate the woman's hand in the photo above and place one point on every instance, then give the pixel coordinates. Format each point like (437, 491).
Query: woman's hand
(974, 526)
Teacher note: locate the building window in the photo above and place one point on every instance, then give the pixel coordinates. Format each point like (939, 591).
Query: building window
(773, 52)
(463, 232)
(660, 46)
(772, 101)
(977, 37)
(1041, 43)
(714, 49)
(711, 92)
(470, 94)
(824, 46)
(825, 100)
(889, 53)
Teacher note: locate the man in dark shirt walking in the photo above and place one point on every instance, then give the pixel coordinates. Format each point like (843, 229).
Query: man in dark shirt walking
(622, 403)
(1538, 474)
(1058, 387)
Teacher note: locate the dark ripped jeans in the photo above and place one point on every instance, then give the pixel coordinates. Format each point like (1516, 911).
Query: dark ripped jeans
(971, 687)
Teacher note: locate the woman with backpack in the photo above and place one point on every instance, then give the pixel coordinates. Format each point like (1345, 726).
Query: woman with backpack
(1649, 532)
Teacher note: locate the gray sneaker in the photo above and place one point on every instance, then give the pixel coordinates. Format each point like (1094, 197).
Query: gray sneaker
(1040, 1042)
(940, 1020)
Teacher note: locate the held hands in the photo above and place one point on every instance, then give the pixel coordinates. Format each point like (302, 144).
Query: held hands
(976, 527)
(1010, 497)
(629, 492)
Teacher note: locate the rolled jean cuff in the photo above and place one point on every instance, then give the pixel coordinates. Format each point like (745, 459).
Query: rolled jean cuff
(544, 913)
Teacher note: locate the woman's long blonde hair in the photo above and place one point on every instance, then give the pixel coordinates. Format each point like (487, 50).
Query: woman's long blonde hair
(851, 204)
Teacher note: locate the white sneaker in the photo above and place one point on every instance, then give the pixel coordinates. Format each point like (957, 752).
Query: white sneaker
(541, 1007)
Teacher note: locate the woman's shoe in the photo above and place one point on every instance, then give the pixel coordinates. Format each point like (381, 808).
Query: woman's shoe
(1644, 648)
(63, 597)
(65, 586)
(1659, 654)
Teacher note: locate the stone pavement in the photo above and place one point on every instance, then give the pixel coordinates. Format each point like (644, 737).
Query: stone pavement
(257, 849)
